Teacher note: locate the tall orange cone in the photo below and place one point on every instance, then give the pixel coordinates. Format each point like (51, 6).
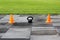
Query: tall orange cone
(11, 19)
(48, 21)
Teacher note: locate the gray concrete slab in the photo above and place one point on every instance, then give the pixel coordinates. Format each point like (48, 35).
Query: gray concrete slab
(58, 29)
(1, 34)
(43, 17)
(32, 24)
(17, 34)
(56, 24)
(55, 20)
(44, 31)
(1, 16)
(55, 17)
(45, 37)
(21, 19)
(22, 25)
(4, 28)
(39, 24)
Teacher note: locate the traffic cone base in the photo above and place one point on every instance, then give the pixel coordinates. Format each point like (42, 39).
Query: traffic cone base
(48, 21)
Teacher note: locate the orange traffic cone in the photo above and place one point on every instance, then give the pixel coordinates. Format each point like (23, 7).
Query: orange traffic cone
(11, 20)
(48, 21)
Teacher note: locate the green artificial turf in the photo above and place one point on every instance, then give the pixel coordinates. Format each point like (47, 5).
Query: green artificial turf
(29, 6)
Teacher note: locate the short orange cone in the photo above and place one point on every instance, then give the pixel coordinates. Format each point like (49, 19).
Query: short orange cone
(11, 19)
(48, 21)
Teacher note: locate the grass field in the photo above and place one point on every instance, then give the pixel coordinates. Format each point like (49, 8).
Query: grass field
(29, 6)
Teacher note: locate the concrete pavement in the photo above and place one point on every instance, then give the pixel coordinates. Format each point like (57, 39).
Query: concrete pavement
(38, 26)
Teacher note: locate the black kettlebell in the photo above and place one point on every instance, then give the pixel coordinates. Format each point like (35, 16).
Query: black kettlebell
(29, 18)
